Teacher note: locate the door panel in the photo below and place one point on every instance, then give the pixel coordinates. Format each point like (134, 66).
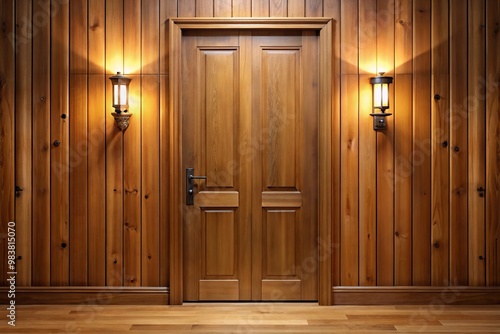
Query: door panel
(284, 209)
(216, 227)
(250, 124)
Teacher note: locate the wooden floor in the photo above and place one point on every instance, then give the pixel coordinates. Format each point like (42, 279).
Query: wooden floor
(253, 318)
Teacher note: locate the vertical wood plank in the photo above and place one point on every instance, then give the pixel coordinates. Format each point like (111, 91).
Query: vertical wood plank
(78, 144)
(96, 177)
(204, 8)
(132, 40)
(403, 99)
(440, 150)
(367, 186)
(114, 36)
(150, 37)
(477, 141)
(403, 37)
(385, 151)
(349, 37)
(296, 8)
(242, 8)
(150, 176)
(367, 41)
(332, 9)
(223, 8)
(421, 143)
(59, 157)
(314, 8)
(7, 100)
(41, 151)
(186, 8)
(492, 144)
(132, 188)
(349, 184)
(458, 143)
(23, 139)
(78, 181)
(367, 146)
(96, 22)
(150, 151)
(114, 150)
(260, 8)
(278, 8)
(402, 180)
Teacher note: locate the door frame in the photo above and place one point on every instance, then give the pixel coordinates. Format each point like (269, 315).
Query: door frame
(326, 115)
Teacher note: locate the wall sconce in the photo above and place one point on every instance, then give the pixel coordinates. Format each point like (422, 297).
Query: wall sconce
(380, 100)
(120, 100)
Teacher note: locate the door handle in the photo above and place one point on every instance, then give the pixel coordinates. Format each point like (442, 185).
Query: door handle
(190, 177)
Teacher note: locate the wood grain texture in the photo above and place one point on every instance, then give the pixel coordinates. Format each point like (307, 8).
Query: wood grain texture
(476, 105)
(132, 186)
(403, 141)
(114, 151)
(149, 180)
(295, 8)
(59, 155)
(41, 153)
(421, 143)
(403, 179)
(260, 8)
(96, 179)
(78, 196)
(23, 154)
(458, 144)
(132, 182)
(385, 151)
(349, 32)
(349, 181)
(223, 8)
(440, 151)
(78, 127)
(314, 8)
(367, 182)
(96, 36)
(278, 8)
(242, 8)
(7, 117)
(274, 318)
(204, 8)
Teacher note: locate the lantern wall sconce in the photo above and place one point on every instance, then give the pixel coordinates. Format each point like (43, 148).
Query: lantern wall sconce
(120, 100)
(380, 85)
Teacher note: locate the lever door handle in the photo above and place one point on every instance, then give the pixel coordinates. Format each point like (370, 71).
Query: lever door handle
(190, 177)
(197, 177)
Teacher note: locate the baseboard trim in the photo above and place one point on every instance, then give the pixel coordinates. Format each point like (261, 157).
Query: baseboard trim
(88, 295)
(450, 295)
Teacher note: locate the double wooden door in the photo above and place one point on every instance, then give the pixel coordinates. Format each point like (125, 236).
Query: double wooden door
(250, 125)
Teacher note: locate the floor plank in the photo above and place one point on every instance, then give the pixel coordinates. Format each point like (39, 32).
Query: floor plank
(253, 318)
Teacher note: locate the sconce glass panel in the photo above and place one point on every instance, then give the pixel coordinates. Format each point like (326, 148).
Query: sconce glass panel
(120, 92)
(381, 92)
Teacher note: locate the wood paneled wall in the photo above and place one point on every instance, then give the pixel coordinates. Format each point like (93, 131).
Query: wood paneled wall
(408, 204)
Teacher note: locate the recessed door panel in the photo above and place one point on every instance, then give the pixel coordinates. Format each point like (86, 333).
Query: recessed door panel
(219, 243)
(218, 87)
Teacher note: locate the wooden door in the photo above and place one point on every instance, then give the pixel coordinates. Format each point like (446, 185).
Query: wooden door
(250, 125)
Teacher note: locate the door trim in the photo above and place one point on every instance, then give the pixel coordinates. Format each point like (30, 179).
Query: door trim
(324, 26)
